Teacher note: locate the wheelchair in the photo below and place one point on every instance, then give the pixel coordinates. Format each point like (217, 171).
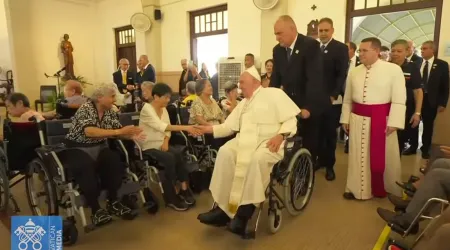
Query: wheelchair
(146, 167)
(204, 154)
(17, 153)
(63, 192)
(419, 217)
(295, 174)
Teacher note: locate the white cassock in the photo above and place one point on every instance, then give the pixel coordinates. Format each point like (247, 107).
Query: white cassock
(374, 100)
(243, 164)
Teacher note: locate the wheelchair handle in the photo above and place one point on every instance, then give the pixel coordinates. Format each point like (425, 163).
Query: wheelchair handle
(40, 129)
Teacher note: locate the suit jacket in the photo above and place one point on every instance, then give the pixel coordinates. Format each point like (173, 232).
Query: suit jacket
(417, 60)
(358, 62)
(335, 67)
(438, 83)
(117, 78)
(148, 74)
(301, 76)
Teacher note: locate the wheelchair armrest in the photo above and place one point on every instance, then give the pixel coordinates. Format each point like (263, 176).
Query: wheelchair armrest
(153, 162)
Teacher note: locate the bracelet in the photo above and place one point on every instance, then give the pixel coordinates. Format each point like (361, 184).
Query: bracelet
(417, 113)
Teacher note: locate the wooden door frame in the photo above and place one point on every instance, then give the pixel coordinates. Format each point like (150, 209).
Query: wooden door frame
(193, 36)
(118, 45)
(428, 4)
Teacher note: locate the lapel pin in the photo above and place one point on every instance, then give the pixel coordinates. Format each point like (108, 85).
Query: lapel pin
(296, 52)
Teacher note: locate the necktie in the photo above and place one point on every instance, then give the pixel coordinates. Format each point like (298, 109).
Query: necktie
(322, 47)
(425, 77)
(288, 51)
(142, 72)
(124, 78)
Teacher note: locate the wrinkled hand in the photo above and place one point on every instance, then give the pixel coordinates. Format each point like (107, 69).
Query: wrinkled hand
(346, 128)
(275, 143)
(165, 146)
(415, 120)
(140, 137)
(332, 99)
(204, 129)
(194, 131)
(130, 131)
(130, 87)
(390, 130)
(304, 114)
(441, 109)
(446, 151)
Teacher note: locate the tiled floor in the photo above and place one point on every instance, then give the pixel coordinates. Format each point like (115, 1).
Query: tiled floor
(329, 222)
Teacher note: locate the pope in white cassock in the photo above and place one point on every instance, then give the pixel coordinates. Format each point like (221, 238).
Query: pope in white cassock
(262, 122)
(373, 109)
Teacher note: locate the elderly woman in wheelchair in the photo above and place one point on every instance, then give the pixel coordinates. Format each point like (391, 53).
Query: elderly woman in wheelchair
(155, 123)
(90, 158)
(18, 106)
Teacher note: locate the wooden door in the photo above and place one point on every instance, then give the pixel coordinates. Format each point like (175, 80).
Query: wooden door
(126, 46)
(130, 54)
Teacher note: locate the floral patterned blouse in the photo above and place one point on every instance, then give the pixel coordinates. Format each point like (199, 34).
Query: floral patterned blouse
(210, 112)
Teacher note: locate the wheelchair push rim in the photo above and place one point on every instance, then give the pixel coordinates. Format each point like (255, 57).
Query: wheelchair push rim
(37, 171)
(299, 183)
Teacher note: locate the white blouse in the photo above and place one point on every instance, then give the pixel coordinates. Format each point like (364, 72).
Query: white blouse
(154, 127)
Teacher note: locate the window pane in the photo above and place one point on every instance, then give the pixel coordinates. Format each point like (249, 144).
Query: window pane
(128, 36)
(208, 27)
(219, 21)
(225, 19)
(359, 4)
(213, 26)
(202, 23)
(197, 24)
(371, 3)
(213, 17)
(208, 19)
(120, 37)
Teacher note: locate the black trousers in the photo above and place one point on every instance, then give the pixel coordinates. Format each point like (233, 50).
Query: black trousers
(428, 116)
(86, 172)
(172, 162)
(329, 122)
(408, 132)
(174, 169)
(309, 131)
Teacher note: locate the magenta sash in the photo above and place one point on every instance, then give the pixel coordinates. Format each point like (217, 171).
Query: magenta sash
(378, 126)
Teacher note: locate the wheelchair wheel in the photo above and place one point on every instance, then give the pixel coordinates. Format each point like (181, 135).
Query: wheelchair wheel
(4, 187)
(298, 184)
(41, 198)
(275, 219)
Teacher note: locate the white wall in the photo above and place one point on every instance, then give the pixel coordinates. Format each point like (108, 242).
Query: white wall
(244, 33)
(302, 14)
(5, 53)
(37, 27)
(111, 14)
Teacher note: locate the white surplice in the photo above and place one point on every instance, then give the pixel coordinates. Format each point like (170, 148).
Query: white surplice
(382, 83)
(243, 165)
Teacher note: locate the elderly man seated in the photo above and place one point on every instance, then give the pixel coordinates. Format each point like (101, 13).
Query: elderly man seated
(73, 98)
(436, 184)
(262, 121)
(190, 90)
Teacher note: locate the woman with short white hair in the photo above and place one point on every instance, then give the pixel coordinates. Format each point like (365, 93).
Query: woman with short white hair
(89, 158)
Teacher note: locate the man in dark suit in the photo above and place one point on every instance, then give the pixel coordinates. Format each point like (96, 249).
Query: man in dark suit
(335, 66)
(146, 71)
(435, 85)
(124, 79)
(352, 63)
(414, 93)
(411, 56)
(298, 69)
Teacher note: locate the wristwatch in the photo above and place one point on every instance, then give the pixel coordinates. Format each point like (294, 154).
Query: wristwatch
(418, 113)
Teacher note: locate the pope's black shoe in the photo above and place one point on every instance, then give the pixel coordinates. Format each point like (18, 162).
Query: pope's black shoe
(238, 225)
(215, 217)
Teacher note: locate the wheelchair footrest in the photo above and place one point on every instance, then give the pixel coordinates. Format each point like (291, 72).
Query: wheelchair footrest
(397, 229)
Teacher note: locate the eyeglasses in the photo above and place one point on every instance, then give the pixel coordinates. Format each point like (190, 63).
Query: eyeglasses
(364, 50)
